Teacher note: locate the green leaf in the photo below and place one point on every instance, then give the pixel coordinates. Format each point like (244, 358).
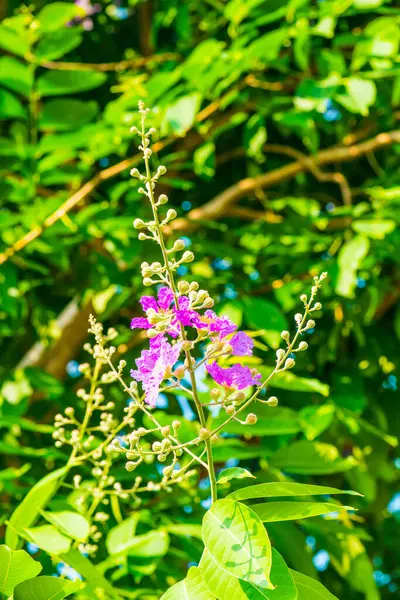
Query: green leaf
(155, 543)
(350, 259)
(261, 314)
(291, 511)
(57, 83)
(12, 42)
(10, 106)
(192, 587)
(180, 116)
(361, 95)
(46, 588)
(120, 536)
(204, 160)
(310, 589)
(56, 15)
(227, 587)
(15, 567)
(55, 44)
(70, 523)
(233, 473)
(49, 539)
(29, 508)
(284, 489)
(88, 571)
(289, 381)
(376, 229)
(237, 541)
(62, 115)
(316, 419)
(15, 75)
(311, 458)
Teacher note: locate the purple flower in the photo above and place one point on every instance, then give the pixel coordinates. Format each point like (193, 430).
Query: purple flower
(214, 324)
(153, 365)
(236, 376)
(164, 304)
(242, 344)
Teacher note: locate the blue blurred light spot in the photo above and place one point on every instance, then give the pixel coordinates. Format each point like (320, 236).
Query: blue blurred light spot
(361, 283)
(377, 561)
(186, 205)
(230, 292)
(187, 241)
(73, 369)
(104, 162)
(397, 462)
(192, 564)
(382, 578)
(121, 13)
(186, 408)
(310, 331)
(330, 207)
(221, 264)
(162, 401)
(321, 560)
(326, 256)
(204, 484)
(32, 548)
(188, 509)
(182, 270)
(392, 587)
(206, 503)
(394, 505)
(331, 115)
(292, 355)
(254, 275)
(118, 289)
(232, 462)
(311, 542)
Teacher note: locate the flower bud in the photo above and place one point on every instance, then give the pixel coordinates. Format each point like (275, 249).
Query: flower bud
(280, 353)
(156, 447)
(203, 433)
(135, 172)
(186, 346)
(303, 298)
(289, 364)
(285, 335)
(139, 224)
(166, 431)
(303, 346)
(272, 401)
(162, 199)
(215, 393)
(187, 256)
(176, 425)
(161, 170)
(298, 318)
(183, 287)
(251, 419)
(310, 324)
(194, 286)
(209, 303)
(130, 466)
(230, 409)
(179, 245)
(142, 237)
(238, 396)
(147, 281)
(317, 306)
(171, 214)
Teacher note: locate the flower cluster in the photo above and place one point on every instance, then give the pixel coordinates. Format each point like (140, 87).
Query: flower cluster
(157, 363)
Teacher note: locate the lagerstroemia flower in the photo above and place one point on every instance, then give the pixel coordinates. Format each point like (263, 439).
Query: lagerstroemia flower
(153, 365)
(237, 376)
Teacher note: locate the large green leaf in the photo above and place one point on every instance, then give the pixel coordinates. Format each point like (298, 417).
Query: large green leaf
(350, 258)
(12, 42)
(227, 587)
(120, 537)
(316, 419)
(15, 75)
(46, 588)
(57, 83)
(233, 473)
(237, 541)
(65, 114)
(49, 539)
(309, 589)
(10, 106)
(15, 567)
(70, 523)
(311, 458)
(192, 587)
(264, 315)
(180, 116)
(29, 509)
(284, 489)
(56, 15)
(291, 511)
(55, 44)
(88, 571)
(290, 381)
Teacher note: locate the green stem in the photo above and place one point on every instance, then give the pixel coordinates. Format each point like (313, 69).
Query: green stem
(200, 411)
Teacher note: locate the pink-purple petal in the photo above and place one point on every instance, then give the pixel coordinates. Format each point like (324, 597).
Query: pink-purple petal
(242, 344)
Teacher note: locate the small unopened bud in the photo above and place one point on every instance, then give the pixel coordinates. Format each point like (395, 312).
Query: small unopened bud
(230, 409)
(162, 199)
(272, 401)
(289, 364)
(179, 372)
(176, 425)
(203, 433)
(209, 303)
(179, 245)
(280, 353)
(135, 172)
(139, 224)
(303, 298)
(298, 318)
(317, 306)
(214, 439)
(251, 419)
(310, 324)
(186, 346)
(166, 431)
(130, 465)
(161, 170)
(239, 396)
(171, 214)
(147, 281)
(285, 335)
(215, 393)
(303, 346)
(187, 256)
(183, 287)
(142, 237)
(156, 447)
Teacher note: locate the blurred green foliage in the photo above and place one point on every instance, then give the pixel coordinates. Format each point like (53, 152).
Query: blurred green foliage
(277, 122)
